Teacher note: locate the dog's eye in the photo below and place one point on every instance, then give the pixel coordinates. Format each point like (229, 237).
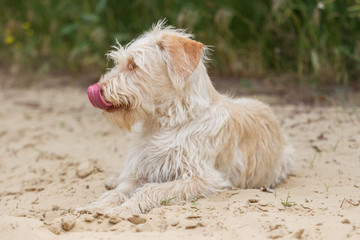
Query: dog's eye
(131, 65)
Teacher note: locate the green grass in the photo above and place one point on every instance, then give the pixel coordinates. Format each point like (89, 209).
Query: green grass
(313, 159)
(62, 124)
(316, 41)
(194, 201)
(27, 116)
(286, 203)
(166, 202)
(336, 145)
(326, 187)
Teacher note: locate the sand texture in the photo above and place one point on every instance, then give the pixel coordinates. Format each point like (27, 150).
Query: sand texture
(56, 150)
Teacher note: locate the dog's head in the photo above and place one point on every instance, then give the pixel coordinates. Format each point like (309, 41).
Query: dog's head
(149, 71)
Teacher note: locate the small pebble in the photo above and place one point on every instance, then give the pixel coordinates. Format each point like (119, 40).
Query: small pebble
(89, 218)
(55, 207)
(67, 223)
(345, 221)
(192, 226)
(262, 203)
(114, 220)
(136, 220)
(84, 169)
(253, 200)
(299, 234)
(97, 214)
(55, 229)
(174, 223)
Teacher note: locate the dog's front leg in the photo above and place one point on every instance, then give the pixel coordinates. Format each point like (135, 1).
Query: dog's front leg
(154, 194)
(110, 199)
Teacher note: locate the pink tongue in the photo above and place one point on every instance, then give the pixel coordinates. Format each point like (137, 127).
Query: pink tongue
(95, 97)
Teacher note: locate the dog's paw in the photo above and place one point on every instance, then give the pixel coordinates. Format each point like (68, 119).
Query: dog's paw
(107, 201)
(112, 181)
(123, 211)
(95, 207)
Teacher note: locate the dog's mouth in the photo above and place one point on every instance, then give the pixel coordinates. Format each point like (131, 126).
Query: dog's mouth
(96, 98)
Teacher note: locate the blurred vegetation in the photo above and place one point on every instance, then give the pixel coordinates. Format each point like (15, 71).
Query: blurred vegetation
(314, 40)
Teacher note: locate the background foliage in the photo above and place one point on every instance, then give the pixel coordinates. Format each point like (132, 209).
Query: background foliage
(314, 40)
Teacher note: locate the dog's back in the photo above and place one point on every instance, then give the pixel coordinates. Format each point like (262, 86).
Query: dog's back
(260, 155)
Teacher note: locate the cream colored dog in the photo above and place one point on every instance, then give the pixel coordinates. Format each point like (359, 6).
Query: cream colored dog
(188, 140)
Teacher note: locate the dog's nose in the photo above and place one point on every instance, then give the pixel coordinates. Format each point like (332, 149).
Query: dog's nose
(96, 98)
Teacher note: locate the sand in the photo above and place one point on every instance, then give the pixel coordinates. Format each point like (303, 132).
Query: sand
(56, 150)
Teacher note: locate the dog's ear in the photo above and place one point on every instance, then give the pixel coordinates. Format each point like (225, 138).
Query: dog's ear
(182, 57)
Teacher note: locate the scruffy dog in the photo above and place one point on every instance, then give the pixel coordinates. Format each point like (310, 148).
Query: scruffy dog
(188, 140)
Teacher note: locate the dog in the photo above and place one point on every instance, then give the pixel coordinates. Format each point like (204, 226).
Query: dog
(188, 139)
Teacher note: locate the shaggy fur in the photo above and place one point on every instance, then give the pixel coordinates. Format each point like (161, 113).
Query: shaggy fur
(188, 140)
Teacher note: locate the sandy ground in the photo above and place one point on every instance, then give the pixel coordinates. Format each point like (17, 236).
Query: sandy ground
(48, 137)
